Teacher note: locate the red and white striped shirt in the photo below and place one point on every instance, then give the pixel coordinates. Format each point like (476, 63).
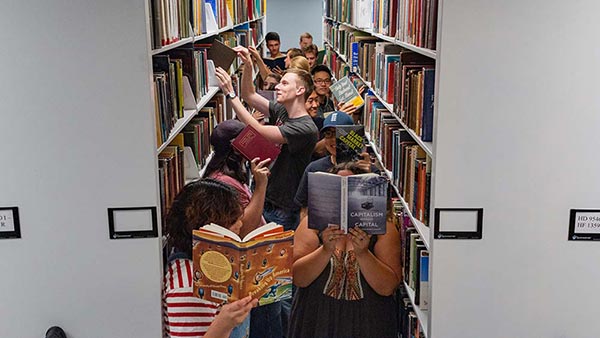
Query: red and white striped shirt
(184, 314)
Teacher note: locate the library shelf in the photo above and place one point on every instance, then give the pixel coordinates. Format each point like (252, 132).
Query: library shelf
(187, 116)
(427, 146)
(423, 51)
(421, 314)
(422, 229)
(187, 40)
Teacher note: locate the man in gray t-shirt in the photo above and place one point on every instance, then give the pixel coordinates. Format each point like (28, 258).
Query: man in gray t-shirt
(294, 129)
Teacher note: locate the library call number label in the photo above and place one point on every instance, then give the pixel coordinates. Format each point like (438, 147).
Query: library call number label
(587, 222)
(6, 220)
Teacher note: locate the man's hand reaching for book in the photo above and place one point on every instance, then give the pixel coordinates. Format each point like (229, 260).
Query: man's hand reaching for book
(244, 54)
(224, 80)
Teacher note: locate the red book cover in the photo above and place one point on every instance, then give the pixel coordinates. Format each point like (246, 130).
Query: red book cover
(251, 144)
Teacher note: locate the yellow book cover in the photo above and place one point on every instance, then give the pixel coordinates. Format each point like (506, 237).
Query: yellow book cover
(227, 268)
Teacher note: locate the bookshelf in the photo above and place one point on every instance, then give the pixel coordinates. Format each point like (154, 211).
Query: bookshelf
(85, 142)
(344, 61)
(498, 110)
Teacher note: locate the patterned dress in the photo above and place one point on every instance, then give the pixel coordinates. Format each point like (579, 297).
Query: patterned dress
(341, 304)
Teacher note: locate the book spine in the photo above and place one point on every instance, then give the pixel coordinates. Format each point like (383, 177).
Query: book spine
(344, 204)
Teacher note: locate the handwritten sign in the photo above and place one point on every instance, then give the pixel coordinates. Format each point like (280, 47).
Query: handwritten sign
(9, 223)
(584, 225)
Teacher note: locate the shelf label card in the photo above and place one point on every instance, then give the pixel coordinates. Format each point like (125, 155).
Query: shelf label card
(9, 222)
(584, 225)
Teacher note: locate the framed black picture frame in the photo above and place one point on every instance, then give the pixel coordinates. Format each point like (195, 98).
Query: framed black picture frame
(10, 225)
(150, 231)
(476, 234)
(584, 225)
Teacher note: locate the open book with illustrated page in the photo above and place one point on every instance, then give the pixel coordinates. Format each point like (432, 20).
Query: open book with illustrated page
(227, 267)
(344, 91)
(350, 143)
(252, 144)
(347, 201)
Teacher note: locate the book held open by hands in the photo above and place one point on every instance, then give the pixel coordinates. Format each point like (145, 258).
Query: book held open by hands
(348, 201)
(227, 267)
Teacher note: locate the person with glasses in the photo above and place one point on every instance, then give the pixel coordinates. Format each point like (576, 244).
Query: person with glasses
(322, 79)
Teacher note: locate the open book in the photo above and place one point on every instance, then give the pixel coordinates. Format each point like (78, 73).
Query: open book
(348, 201)
(252, 144)
(228, 268)
(344, 91)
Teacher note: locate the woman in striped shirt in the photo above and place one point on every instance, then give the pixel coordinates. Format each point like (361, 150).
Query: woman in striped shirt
(201, 202)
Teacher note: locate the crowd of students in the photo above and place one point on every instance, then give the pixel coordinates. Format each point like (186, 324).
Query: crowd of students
(344, 282)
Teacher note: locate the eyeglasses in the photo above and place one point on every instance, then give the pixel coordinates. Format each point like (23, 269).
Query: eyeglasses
(322, 81)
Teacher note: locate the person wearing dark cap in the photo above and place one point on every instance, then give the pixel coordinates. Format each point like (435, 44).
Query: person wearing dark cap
(324, 164)
(229, 167)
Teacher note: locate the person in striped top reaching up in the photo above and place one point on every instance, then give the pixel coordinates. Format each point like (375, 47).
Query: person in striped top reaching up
(199, 203)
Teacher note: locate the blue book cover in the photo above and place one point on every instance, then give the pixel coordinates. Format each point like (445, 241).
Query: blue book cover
(355, 57)
(428, 87)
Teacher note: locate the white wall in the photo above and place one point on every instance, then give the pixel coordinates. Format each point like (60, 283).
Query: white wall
(290, 18)
(76, 137)
(517, 134)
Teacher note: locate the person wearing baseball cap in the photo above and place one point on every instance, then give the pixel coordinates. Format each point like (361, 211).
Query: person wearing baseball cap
(336, 118)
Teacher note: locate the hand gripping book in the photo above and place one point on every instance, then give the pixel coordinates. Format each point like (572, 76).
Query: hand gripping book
(348, 201)
(344, 91)
(228, 268)
(252, 144)
(222, 55)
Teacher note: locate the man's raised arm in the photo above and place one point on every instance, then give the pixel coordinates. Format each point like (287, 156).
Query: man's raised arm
(248, 91)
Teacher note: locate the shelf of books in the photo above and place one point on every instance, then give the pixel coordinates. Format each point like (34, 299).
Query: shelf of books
(187, 103)
(390, 48)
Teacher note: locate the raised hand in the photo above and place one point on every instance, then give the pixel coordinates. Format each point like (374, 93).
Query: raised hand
(260, 171)
(346, 107)
(365, 162)
(224, 80)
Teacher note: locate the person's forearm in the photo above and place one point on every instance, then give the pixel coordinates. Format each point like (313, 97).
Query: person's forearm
(263, 70)
(309, 267)
(253, 211)
(247, 82)
(379, 276)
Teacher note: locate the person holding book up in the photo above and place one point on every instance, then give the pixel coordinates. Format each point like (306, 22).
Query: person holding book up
(323, 79)
(345, 282)
(327, 146)
(199, 203)
(292, 127)
(276, 60)
(228, 166)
